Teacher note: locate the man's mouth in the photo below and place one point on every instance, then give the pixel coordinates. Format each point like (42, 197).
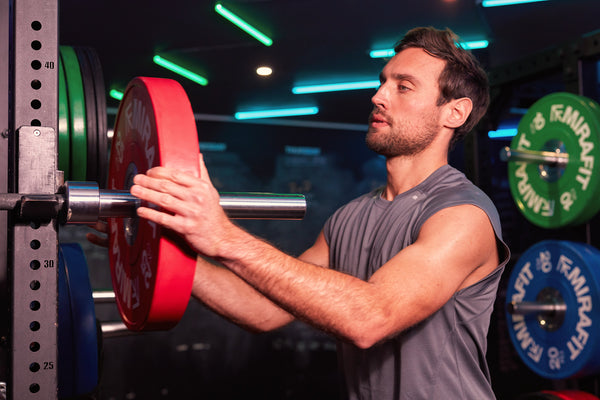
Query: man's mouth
(376, 119)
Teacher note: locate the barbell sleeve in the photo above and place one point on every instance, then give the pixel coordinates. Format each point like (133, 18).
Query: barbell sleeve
(263, 205)
(532, 307)
(531, 156)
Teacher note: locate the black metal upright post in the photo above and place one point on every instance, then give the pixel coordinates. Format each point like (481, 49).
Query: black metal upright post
(4, 104)
(33, 248)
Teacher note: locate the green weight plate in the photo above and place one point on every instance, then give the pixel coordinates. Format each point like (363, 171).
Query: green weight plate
(89, 93)
(77, 113)
(64, 146)
(101, 119)
(550, 196)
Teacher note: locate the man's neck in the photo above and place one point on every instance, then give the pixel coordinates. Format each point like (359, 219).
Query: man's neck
(404, 173)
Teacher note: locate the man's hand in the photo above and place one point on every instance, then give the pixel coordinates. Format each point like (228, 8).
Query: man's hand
(189, 205)
(100, 240)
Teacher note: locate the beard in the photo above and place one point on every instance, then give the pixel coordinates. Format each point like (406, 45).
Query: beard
(402, 138)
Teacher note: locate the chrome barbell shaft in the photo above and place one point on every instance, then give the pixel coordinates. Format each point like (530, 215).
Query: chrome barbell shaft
(531, 156)
(86, 203)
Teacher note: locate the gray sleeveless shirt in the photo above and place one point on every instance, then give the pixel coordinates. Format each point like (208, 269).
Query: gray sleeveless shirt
(442, 357)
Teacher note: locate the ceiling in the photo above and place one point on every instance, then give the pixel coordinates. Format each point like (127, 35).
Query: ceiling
(315, 41)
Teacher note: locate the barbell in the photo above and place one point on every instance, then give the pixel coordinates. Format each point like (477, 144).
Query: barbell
(152, 269)
(552, 161)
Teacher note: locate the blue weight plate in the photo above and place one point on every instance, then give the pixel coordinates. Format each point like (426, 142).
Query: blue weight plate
(85, 357)
(572, 270)
(66, 378)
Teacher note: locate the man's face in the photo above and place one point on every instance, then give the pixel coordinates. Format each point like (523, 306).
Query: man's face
(405, 117)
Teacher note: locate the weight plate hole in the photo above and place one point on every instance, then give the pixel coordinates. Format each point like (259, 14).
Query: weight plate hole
(34, 346)
(34, 367)
(36, 122)
(550, 321)
(34, 388)
(34, 265)
(552, 173)
(36, 104)
(36, 25)
(34, 305)
(35, 244)
(35, 285)
(36, 84)
(36, 45)
(36, 64)
(34, 326)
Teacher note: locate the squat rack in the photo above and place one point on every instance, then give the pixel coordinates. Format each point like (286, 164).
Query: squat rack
(28, 164)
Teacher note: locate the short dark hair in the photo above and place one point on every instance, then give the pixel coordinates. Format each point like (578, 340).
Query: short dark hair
(462, 76)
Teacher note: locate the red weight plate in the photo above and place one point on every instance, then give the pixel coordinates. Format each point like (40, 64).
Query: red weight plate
(571, 395)
(152, 272)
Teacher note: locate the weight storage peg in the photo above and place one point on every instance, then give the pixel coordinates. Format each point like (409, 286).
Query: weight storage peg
(553, 171)
(553, 309)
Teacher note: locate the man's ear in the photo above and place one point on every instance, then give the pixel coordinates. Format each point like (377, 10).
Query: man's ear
(458, 110)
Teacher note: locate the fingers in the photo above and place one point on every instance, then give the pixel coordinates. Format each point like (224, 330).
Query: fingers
(178, 176)
(158, 217)
(159, 195)
(100, 226)
(97, 240)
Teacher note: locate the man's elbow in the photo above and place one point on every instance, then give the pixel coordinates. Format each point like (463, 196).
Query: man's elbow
(367, 335)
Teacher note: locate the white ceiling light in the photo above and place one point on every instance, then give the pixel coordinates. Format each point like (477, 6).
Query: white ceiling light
(264, 71)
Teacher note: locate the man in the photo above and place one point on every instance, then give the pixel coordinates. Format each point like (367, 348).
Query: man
(406, 276)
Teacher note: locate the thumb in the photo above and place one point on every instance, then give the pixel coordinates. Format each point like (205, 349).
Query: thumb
(203, 171)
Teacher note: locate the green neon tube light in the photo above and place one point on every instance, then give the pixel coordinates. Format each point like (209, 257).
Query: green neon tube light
(503, 133)
(180, 70)
(282, 112)
(243, 25)
(474, 44)
(382, 53)
(498, 3)
(334, 87)
(115, 94)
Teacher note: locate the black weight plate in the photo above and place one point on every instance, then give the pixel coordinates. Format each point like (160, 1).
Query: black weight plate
(90, 114)
(100, 91)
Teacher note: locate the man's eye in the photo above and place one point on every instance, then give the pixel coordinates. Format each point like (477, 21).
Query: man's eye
(403, 88)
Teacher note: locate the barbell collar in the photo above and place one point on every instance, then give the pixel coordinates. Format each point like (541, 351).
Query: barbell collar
(533, 307)
(536, 157)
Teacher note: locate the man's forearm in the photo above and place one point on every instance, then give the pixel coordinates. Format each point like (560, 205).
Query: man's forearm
(228, 295)
(329, 300)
